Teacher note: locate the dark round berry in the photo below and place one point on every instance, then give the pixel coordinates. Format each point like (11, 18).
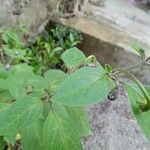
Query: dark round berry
(112, 95)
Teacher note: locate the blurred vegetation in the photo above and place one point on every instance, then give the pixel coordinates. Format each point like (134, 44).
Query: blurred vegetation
(44, 53)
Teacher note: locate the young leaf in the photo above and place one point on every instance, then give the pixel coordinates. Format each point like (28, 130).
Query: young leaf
(84, 87)
(108, 68)
(142, 117)
(32, 136)
(60, 134)
(139, 50)
(79, 117)
(73, 57)
(22, 113)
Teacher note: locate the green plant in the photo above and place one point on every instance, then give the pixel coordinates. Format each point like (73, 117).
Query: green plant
(43, 54)
(46, 51)
(12, 49)
(49, 112)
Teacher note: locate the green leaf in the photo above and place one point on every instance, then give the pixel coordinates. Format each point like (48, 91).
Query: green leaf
(134, 97)
(60, 134)
(108, 68)
(17, 90)
(16, 86)
(148, 89)
(1, 143)
(98, 65)
(2, 105)
(22, 113)
(3, 84)
(73, 57)
(4, 72)
(23, 68)
(8, 51)
(32, 136)
(84, 87)
(5, 96)
(11, 37)
(37, 94)
(142, 117)
(71, 37)
(37, 82)
(16, 83)
(20, 79)
(54, 78)
(79, 117)
(139, 50)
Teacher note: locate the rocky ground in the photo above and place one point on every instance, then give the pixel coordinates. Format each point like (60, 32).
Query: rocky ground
(114, 127)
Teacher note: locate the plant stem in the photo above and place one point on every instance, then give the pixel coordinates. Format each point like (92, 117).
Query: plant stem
(2, 60)
(148, 59)
(143, 63)
(91, 58)
(134, 66)
(132, 77)
(145, 105)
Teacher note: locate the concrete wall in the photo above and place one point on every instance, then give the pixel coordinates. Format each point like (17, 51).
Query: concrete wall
(32, 13)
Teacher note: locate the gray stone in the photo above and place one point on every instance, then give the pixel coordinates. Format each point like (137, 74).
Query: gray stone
(114, 127)
(31, 13)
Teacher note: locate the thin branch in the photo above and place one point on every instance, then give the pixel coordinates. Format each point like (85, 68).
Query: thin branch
(131, 67)
(148, 59)
(146, 95)
(143, 63)
(1, 51)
